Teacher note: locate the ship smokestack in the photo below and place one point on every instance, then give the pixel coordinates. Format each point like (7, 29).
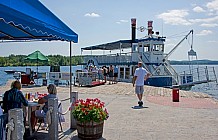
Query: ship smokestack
(133, 23)
(150, 28)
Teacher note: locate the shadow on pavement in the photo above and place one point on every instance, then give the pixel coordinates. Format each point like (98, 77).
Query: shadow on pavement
(139, 107)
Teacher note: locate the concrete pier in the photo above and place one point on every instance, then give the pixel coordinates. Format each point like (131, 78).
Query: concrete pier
(194, 117)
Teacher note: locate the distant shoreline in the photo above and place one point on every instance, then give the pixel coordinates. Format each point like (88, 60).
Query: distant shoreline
(190, 64)
(171, 63)
(194, 62)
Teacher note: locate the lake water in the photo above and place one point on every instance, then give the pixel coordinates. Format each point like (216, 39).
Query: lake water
(5, 77)
(211, 89)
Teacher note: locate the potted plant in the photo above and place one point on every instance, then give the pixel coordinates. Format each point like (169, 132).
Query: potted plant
(90, 115)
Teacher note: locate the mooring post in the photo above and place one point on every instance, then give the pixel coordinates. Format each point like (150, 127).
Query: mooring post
(53, 127)
(207, 75)
(15, 120)
(73, 98)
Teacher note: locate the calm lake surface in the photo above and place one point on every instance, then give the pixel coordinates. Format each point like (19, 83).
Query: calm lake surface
(211, 89)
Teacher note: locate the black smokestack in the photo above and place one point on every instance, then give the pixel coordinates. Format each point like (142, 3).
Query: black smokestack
(133, 23)
(150, 28)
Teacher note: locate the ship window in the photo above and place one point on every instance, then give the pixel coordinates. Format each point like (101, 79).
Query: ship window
(158, 47)
(154, 48)
(146, 48)
(162, 48)
(127, 75)
(121, 73)
(133, 69)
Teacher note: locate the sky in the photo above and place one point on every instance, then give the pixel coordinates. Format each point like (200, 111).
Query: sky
(102, 21)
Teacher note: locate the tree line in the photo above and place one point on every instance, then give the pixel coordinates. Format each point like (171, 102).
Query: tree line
(19, 60)
(194, 62)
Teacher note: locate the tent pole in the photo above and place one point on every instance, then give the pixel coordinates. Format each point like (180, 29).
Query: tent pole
(70, 68)
(37, 69)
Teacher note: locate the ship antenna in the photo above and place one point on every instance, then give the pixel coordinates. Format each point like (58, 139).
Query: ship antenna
(162, 27)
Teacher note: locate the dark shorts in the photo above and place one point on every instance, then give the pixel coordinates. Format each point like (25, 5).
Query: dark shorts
(115, 74)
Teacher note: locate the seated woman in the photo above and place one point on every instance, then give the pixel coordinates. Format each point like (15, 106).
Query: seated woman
(42, 113)
(14, 98)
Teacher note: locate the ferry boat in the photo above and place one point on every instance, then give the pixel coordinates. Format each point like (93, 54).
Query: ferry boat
(150, 50)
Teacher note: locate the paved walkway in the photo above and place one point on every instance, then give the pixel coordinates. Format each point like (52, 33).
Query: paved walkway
(194, 117)
(197, 103)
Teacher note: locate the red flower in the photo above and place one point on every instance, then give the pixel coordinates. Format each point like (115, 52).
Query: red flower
(89, 109)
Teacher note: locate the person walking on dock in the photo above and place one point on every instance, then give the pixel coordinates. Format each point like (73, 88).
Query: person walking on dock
(140, 75)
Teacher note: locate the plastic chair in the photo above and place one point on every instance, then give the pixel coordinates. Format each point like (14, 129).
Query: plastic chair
(41, 119)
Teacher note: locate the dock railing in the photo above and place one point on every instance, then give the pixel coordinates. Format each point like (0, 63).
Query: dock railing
(199, 75)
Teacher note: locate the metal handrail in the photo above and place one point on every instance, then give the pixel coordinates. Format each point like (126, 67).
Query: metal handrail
(202, 74)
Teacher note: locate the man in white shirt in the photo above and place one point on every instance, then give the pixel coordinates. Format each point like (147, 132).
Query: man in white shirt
(140, 76)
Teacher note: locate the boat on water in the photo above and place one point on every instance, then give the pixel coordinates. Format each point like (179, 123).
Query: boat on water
(150, 50)
(13, 71)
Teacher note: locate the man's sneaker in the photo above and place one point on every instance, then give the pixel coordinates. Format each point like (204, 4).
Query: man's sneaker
(140, 103)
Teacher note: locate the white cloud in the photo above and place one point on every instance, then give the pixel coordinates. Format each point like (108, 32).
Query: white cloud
(213, 5)
(175, 17)
(212, 41)
(204, 32)
(122, 21)
(92, 15)
(210, 14)
(209, 25)
(193, 4)
(198, 9)
(206, 20)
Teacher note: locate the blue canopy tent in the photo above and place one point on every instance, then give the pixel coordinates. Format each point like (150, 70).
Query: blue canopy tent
(22, 20)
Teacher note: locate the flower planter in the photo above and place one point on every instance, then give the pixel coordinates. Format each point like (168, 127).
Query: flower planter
(90, 130)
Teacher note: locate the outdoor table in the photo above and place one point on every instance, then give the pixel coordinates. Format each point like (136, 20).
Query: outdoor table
(31, 104)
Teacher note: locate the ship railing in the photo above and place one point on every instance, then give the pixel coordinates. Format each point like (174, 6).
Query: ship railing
(145, 59)
(86, 78)
(144, 65)
(172, 71)
(199, 75)
(111, 58)
(168, 68)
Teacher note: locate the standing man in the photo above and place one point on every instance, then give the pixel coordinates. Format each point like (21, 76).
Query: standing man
(140, 76)
(115, 74)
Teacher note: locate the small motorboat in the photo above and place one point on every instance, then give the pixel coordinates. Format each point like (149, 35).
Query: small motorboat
(13, 71)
